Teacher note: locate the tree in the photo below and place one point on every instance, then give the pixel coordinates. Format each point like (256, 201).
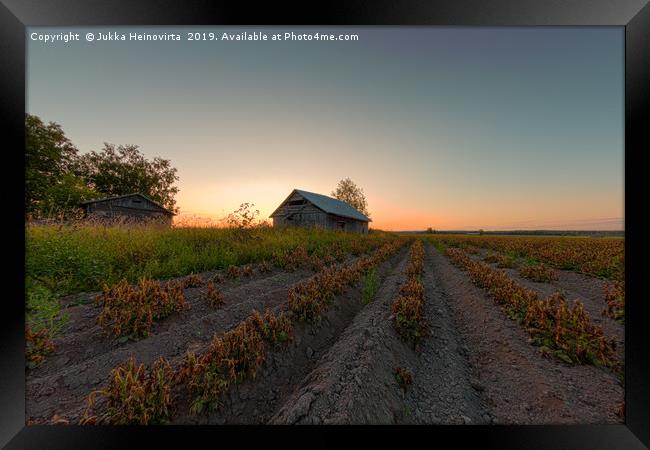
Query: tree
(62, 199)
(352, 194)
(124, 170)
(49, 155)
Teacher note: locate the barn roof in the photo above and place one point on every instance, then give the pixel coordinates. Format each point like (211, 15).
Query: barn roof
(329, 205)
(117, 197)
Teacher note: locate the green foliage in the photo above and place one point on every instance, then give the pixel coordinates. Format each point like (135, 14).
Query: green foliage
(440, 246)
(370, 286)
(43, 310)
(49, 155)
(70, 259)
(57, 179)
(352, 194)
(124, 170)
(62, 199)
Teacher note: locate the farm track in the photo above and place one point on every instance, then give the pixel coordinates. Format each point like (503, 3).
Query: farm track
(288, 368)
(590, 291)
(517, 384)
(86, 357)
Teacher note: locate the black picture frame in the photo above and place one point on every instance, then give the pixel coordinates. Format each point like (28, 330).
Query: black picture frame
(634, 15)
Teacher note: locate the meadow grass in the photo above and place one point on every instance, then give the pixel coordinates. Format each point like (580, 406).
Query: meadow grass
(71, 259)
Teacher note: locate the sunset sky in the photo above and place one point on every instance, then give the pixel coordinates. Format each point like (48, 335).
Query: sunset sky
(443, 127)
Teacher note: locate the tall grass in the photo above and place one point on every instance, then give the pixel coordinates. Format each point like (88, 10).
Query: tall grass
(70, 259)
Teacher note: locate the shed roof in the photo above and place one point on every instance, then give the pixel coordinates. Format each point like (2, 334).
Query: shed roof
(117, 197)
(329, 205)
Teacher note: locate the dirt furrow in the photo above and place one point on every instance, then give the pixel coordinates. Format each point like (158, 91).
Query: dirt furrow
(445, 386)
(353, 382)
(200, 321)
(64, 382)
(518, 385)
(590, 291)
(254, 402)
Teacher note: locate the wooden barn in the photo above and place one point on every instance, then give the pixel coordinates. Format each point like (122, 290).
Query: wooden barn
(305, 209)
(129, 208)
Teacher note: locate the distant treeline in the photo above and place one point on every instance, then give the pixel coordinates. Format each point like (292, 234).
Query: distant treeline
(590, 233)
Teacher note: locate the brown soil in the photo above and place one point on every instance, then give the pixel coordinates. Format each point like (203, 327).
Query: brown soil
(288, 368)
(85, 355)
(477, 366)
(590, 291)
(517, 384)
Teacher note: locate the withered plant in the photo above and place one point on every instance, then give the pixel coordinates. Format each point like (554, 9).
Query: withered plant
(408, 307)
(403, 376)
(563, 331)
(131, 310)
(134, 396)
(37, 346)
(538, 272)
(214, 296)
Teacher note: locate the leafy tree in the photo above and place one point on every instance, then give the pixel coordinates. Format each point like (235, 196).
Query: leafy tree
(352, 194)
(121, 170)
(49, 155)
(62, 198)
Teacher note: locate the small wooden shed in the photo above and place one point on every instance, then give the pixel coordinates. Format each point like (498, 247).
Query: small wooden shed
(305, 209)
(130, 208)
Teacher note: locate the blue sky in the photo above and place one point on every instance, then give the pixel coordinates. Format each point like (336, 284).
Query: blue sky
(449, 127)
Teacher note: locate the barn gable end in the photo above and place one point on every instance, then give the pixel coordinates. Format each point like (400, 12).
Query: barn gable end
(307, 209)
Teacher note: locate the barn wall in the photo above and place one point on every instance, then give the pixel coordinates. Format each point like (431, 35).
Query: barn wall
(346, 224)
(127, 208)
(307, 215)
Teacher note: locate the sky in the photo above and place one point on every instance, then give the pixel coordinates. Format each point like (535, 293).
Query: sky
(443, 127)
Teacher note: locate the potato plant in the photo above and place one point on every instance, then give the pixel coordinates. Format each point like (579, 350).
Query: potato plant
(408, 308)
(566, 332)
(131, 310)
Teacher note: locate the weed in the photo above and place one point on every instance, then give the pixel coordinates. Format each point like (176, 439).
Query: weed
(370, 286)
